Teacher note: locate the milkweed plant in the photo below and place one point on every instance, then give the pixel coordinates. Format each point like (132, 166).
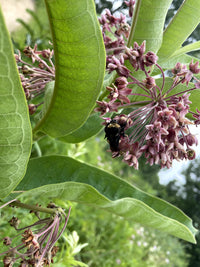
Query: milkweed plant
(157, 126)
(131, 79)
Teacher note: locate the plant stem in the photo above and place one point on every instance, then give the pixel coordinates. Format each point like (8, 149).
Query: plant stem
(134, 22)
(33, 207)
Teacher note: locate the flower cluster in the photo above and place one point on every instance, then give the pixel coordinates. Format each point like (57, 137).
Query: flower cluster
(37, 244)
(35, 77)
(158, 124)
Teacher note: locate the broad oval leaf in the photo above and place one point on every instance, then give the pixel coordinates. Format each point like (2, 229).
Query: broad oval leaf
(69, 179)
(15, 128)
(91, 127)
(80, 63)
(93, 124)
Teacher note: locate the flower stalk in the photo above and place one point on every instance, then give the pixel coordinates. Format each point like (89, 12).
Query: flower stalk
(37, 244)
(35, 76)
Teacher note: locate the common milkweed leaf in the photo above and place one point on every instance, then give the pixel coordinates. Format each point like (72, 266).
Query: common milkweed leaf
(80, 64)
(180, 27)
(15, 128)
(69, 179)
(91, 127)
(148, 23)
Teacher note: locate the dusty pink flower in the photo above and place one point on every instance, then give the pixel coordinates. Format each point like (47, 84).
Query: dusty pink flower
(105, 107)
(156, 123)
(149, 82)
(131, 5)
(193, 67)
(197, 117)
(36, 242)
(150, 59)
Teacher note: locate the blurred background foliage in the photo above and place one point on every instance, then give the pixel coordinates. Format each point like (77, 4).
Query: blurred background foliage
(95, 237)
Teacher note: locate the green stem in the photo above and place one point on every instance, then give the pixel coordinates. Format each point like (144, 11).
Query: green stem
(33, 207)
(134, 22)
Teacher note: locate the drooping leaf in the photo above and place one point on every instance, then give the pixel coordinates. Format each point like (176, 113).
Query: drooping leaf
(91, 127)
(180, 27)
(80, 64)
(15, 128)
(94, 122)
(69, 179)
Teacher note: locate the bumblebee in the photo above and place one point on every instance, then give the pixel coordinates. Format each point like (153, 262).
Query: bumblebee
(114, 131)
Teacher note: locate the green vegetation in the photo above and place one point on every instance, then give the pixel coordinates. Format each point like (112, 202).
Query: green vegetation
(36, 31)
(111, 240)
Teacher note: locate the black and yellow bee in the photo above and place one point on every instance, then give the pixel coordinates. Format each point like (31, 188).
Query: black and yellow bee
(114, 131)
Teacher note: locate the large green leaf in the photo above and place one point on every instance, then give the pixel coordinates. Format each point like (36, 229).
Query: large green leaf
(91, 127)
(15, 128)
(180, 27)
(80, 64)
(69, 179)
(148, 23)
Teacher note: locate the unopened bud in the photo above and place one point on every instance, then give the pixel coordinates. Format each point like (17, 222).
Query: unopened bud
(7, 241)
(191, 154)
(46, 53)
(32, 108)
(8, 261)
(26, 70)
(14, 222)
(28, 51)
(27, 94)
(41, 65)
(149, 82)
(191, 140)
(17, 58)
(194, 67)
(150, 59)
(121, 82)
